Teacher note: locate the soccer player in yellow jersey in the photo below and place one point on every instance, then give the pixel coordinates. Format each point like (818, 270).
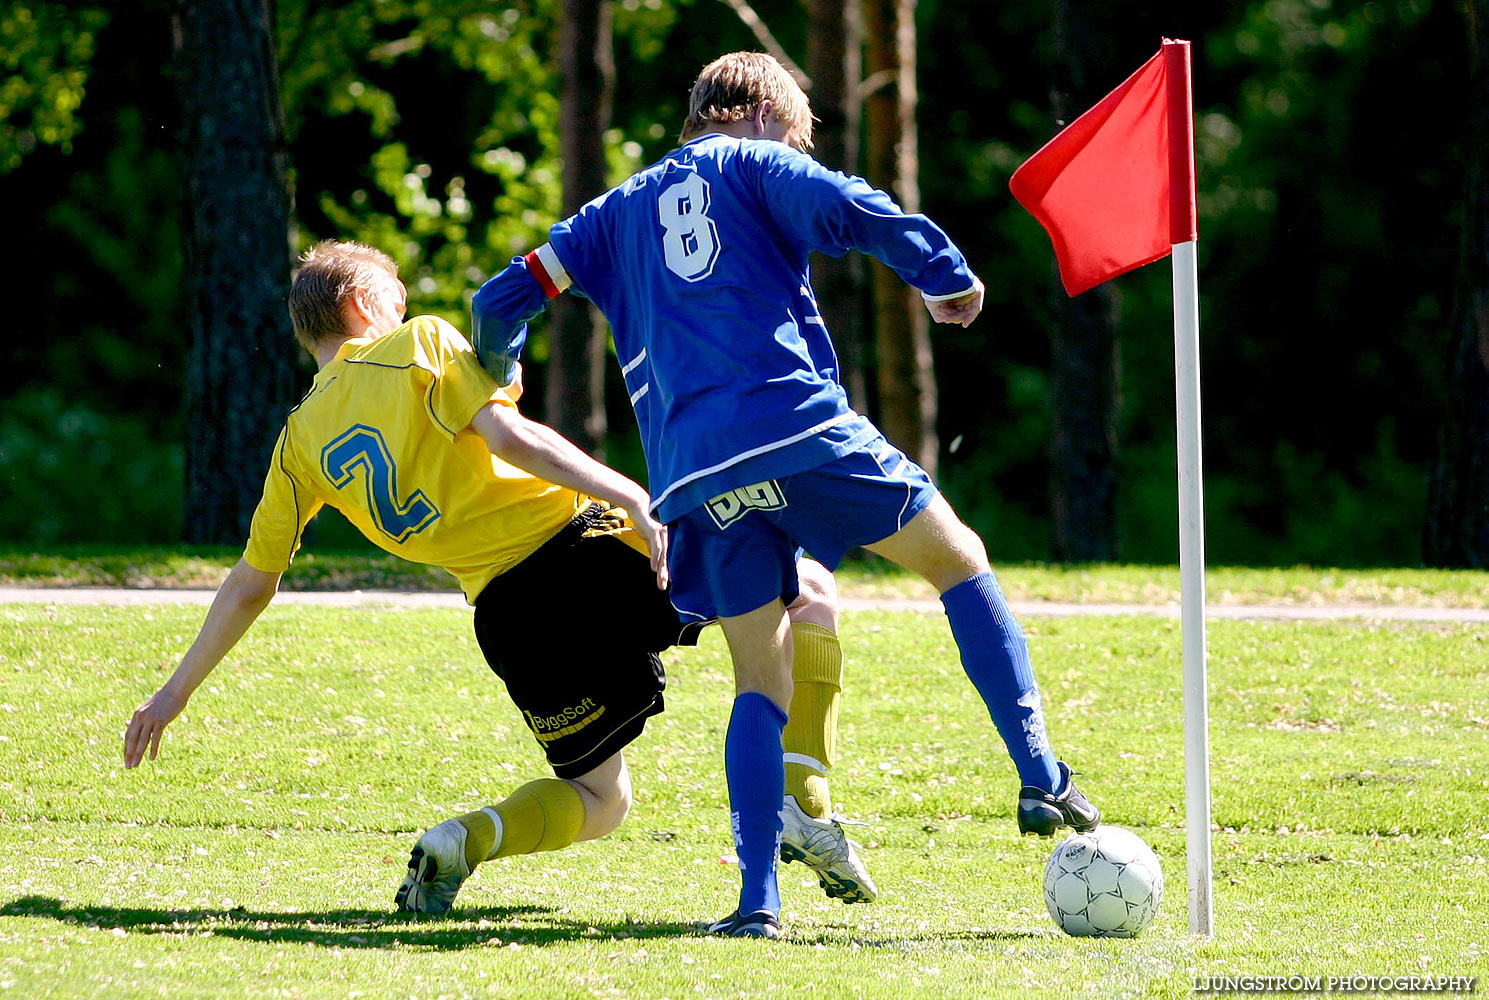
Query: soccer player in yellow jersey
(406, 434)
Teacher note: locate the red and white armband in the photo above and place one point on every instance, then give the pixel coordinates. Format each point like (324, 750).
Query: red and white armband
(544, 265)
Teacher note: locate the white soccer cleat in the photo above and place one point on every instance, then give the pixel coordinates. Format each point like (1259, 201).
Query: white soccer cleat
(436, 870)
(822, 846)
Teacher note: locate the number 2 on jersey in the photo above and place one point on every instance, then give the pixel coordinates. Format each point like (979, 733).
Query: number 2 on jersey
(690, 242)
(363, 447)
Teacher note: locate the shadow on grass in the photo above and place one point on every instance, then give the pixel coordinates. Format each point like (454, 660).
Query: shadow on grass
(474, 927)
(847, 937)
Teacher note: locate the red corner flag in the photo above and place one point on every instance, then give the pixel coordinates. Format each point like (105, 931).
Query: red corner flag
(1115, 189)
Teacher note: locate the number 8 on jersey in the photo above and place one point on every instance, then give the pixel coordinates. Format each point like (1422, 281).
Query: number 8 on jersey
(690, 242)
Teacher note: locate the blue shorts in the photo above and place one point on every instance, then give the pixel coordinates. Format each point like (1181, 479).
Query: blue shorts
(738, 551)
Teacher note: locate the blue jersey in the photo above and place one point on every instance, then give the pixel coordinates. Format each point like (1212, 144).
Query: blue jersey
(699, 262)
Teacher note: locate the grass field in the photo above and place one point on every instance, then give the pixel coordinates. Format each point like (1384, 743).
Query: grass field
(258, 856)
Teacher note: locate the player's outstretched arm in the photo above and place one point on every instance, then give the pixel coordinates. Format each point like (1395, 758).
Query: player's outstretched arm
(239, 601)
(549, 455)
(499, 315)
(835, 212)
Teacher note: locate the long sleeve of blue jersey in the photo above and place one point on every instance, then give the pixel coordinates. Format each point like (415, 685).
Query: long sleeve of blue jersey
(834, 213)
(499, 316)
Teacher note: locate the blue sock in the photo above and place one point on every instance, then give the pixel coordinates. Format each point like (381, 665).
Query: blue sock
(757, 784)
(996, 658)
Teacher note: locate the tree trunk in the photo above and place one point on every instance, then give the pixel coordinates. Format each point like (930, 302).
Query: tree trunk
(835, 65)
(575, 389)
(905, 374)
(1457, 525)
(241, 374)
(1085, 384)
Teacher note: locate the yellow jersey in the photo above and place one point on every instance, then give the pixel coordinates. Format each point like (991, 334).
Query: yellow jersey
(384, 436)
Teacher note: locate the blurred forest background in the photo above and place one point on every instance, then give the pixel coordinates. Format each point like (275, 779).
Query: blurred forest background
(1334, 143)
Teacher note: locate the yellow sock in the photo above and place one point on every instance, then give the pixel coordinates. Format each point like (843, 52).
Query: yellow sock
(480, 836)
(542, 815)
(811, 735)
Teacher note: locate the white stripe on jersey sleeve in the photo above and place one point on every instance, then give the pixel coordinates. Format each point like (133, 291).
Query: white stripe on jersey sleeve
(554, 267)
(951, 295)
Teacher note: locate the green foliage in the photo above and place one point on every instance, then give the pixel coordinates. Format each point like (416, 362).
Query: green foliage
(118, 222)
(90, 422)
(45, 51)
(1330, 143)
(462, 172)
(1322, 374)
(1330, 111)
(987, 455)
(260, 852)
(410, 151)
(50, 443)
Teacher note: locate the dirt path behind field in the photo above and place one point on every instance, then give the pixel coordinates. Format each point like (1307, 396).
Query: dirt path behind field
(117, 596)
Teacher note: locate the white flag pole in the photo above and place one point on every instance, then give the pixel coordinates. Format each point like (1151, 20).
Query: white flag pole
(1184, 232)
(1178, 109)
(1192, 589)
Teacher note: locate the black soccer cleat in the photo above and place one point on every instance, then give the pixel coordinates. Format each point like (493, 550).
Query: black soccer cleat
(761, 924)
(1042, 813)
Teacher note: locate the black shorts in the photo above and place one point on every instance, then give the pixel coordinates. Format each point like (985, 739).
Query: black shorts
(574, 631)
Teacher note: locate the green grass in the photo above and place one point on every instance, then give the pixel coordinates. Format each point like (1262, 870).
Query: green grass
(259, 854)
(869, 577)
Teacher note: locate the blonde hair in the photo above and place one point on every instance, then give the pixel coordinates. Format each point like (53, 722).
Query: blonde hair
(732, 86)
(329, 272)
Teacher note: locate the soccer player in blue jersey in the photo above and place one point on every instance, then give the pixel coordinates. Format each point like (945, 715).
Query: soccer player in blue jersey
(700, 264)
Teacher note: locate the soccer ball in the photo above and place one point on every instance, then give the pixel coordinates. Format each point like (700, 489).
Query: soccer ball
(1106, 883)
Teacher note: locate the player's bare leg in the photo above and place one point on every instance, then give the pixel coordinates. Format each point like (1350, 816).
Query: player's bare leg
(544, 815)
(760, 645)
(936, 545)
(943, 550)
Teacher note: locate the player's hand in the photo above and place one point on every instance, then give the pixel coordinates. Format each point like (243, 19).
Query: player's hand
(961, 310)
(655, 534)
(148, 725)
